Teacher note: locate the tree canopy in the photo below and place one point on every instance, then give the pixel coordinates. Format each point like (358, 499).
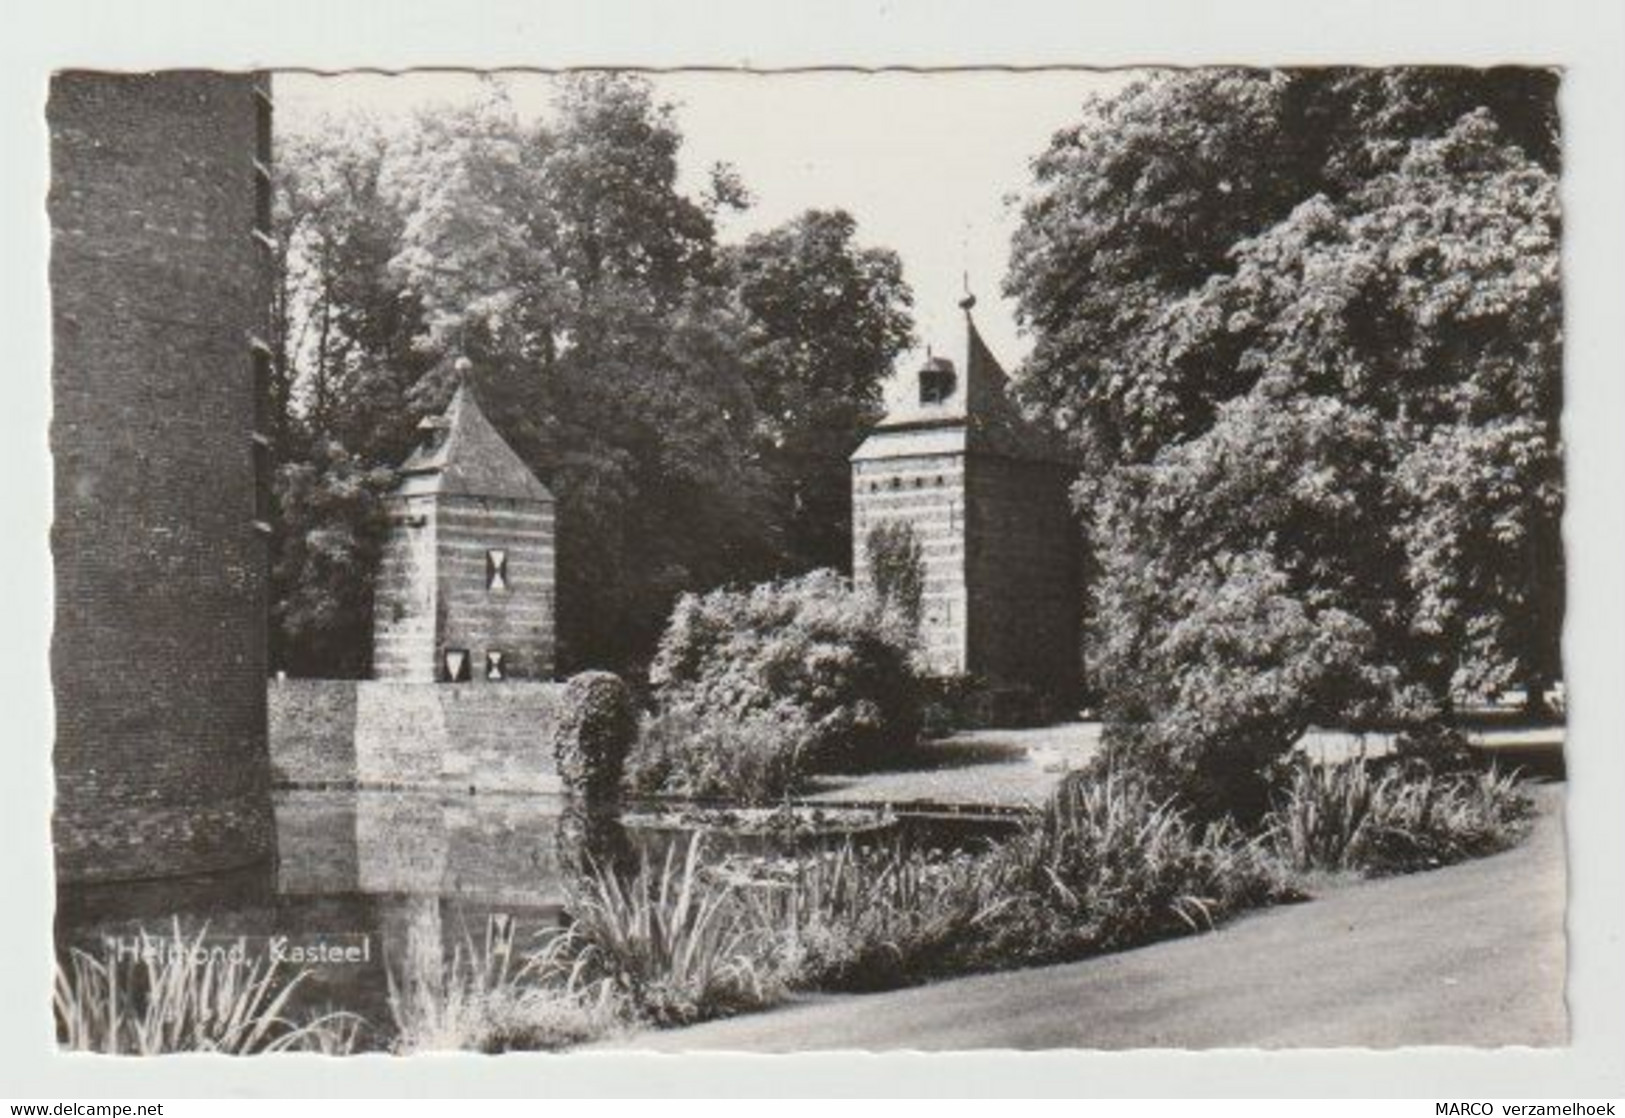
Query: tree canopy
(1305, 328)
(824, 319)
(646, 372)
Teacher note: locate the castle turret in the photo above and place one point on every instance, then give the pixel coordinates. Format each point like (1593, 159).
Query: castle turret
(985, 492)
(466, 587)
(160, 280)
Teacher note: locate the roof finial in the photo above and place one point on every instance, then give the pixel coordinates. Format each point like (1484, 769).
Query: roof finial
(969, 300)
(464, 369)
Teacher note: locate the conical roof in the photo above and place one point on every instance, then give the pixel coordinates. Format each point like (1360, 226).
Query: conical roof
(976, 413)
(463, 455)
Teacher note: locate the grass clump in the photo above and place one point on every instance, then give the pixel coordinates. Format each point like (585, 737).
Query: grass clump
(179, 994)
(675, 941)
(493, 998)
(1359, 816)
(1108, 865)
(874, 918)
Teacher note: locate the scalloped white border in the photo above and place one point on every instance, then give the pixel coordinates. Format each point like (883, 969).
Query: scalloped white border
(1584, 36)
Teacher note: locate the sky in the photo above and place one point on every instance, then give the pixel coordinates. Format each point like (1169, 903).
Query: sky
(926, 163)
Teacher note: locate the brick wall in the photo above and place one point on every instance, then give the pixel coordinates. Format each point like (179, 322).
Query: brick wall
(1022, 565)
(516, 621)
(158, 655)
(419, 735)
(403, 643)
(432, 592)
(312, 731)
(1001, 551)
(927, 492)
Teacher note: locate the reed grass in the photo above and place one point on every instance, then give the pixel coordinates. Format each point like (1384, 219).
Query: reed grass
(180, 996)
(493, 997)
(1108, 866)
(675, 940)
(1350, 816)
(1105, 866)
(860, 918)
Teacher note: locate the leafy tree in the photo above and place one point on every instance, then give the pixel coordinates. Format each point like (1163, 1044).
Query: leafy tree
(614, 344)
(1430, 301)
(824, 319)
(1245, 592)
(1143, 201)
(1306, 329)
(331, 532)
(346, 369)
(583, 286)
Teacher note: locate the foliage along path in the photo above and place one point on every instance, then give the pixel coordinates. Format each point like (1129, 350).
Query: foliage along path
(1472, 954)
(1014, 767)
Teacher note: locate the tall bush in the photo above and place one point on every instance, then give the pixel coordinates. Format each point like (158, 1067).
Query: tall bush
(597, 725)
(810, 645)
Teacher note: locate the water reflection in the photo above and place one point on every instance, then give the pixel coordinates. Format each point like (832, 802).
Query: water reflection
(378, 892)
(364, 885)
(485, 850)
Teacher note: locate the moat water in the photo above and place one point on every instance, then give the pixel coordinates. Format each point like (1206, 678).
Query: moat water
(366, 883)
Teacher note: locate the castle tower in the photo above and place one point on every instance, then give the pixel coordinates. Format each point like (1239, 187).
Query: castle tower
(465, 588)
(160, 286)
(985, 492)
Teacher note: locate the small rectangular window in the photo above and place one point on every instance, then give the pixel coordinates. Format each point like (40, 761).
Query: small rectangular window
(454, 665)
(494, 667)
(496, 569)
(262, 199)
(262, 387)
(262, 126)
(262, 478)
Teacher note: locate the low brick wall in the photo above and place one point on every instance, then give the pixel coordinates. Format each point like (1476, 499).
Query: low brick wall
(495, 738)
(312, 731)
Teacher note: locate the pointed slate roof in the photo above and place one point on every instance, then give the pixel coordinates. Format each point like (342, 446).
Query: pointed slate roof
(977, 415)
(463, 455)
